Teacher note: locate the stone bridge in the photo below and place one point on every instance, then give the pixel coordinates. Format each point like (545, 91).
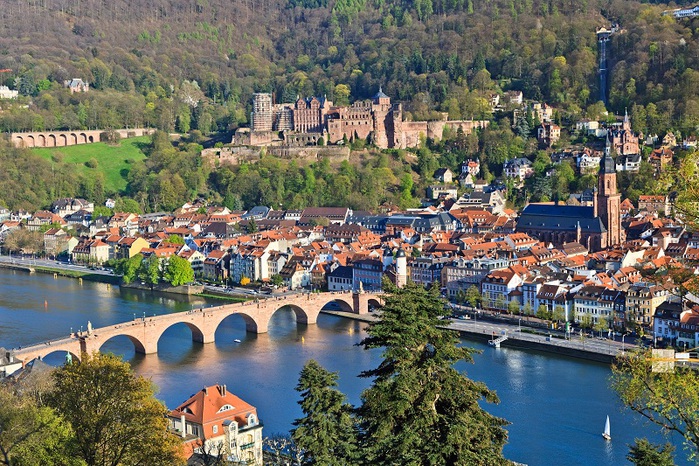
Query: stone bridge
(144, 333)
(69, 138)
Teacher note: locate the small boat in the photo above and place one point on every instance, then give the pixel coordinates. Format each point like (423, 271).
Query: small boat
(236, 340)
(607, 434)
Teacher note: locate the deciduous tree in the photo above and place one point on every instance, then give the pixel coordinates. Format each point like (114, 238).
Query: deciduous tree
(115, 416)
(668, 398)
(31, 435)
(178, 271)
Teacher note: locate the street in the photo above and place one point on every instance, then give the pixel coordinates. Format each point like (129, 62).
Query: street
(54, 264)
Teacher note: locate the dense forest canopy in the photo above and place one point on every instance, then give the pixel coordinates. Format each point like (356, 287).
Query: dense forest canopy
(430, 54)
(183, 65)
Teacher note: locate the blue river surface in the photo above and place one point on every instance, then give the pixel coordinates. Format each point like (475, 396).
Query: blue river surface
(556, 405)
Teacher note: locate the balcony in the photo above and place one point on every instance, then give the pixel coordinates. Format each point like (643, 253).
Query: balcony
(246, 446)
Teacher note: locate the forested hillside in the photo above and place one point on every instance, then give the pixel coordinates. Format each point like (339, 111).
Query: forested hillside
(431, 54)
(181, 65)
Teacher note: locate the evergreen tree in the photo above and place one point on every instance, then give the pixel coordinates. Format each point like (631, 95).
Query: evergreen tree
(644, 453)
(326, 433)
(420, 409)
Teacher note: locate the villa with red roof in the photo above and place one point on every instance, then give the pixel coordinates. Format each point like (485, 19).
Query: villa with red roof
(218, 422)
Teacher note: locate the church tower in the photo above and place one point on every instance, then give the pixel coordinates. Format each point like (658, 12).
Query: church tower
(608, 199)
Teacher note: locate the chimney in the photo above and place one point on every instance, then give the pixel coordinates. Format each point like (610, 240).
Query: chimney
(206, 391)
(184, 426)
(223, 390)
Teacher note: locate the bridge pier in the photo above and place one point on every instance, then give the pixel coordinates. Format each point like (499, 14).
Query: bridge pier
(361, 306)
(150, 346)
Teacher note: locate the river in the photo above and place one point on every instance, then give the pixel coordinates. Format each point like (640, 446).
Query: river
(557, 406)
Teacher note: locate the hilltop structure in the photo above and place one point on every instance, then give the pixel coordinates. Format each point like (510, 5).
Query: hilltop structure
(308, 120)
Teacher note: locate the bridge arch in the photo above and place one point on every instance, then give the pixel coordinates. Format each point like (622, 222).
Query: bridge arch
(344, 305)
(31, 142)
(374, 303)
(52, 140)
(250, 322)
(83, 138)
(197, 333)
(73, 139)
(41, 140)
(58, 357)
(138, 345)
(63, 140)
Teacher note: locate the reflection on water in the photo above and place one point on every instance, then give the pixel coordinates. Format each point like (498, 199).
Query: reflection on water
(557, 406)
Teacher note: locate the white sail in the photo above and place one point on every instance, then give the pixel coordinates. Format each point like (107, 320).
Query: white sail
(607, 432)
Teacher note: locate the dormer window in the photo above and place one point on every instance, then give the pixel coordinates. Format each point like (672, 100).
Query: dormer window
(225, 407)
(252, 419)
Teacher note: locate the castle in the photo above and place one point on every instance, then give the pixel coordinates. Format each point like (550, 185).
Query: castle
(308, 120)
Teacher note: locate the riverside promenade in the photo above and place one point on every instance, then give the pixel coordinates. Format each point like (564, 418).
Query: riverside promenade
(589, 348)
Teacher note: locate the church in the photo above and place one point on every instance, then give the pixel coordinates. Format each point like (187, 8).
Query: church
(597, 227)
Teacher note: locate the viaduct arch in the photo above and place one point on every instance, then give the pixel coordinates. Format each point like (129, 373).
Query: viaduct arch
(69, 138)
(145, 333)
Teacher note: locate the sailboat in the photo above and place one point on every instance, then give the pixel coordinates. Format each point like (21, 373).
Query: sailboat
(606, 434)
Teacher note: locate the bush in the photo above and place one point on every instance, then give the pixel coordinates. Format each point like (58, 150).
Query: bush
(92, 163)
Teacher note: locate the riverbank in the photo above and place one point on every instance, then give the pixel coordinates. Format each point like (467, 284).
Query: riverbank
(62, 272)
(604, 351)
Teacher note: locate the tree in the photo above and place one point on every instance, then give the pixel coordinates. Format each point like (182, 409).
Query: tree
(513, 306)
(326, 433)
(149, 271)
(178, 271)
(31, 435)
(252, 226)
(129, 268)
(666, 397)
(277, 280)
(527, 309)
(602, 325)
(543, 312)
(500, 302)
(115, 416)
(559, 313)
(644, 453)
(125, 204)
(175, 239)
(419, 408)
(473, 296)
(25, 241)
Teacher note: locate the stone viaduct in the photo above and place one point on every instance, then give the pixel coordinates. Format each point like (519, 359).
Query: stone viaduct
(69, 138)
(144, 333)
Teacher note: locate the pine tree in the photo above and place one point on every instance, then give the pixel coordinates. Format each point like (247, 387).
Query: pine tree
(326, 434)
(420, 409)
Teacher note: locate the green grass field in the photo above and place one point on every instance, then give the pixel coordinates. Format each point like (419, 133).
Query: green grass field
(111, 159)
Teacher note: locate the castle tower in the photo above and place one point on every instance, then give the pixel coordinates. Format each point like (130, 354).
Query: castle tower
(401, 268)
(608, 199)
(261, 118)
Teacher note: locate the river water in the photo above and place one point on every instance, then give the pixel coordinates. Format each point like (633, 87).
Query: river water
(557, 406)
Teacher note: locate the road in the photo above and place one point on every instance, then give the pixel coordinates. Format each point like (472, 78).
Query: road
(34, 262)
(513, 331)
